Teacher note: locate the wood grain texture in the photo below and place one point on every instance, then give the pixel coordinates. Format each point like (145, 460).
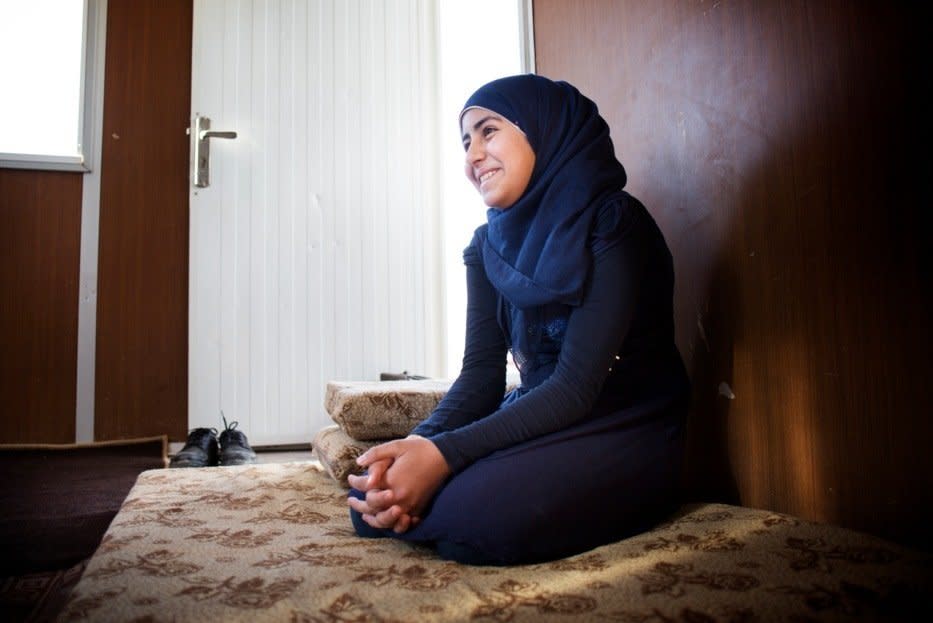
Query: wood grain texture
(142, 324)
(40, 238)
(781, 147)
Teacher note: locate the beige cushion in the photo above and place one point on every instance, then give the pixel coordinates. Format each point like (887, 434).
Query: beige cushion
(371, 410)
(337, 451)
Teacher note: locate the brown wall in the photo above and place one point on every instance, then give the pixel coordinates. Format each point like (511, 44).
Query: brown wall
(142, 307)
(40, 241)
(141, 373)
(778, 145)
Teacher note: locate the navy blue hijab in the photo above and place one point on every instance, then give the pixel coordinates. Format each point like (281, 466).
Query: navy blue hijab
(539, 250)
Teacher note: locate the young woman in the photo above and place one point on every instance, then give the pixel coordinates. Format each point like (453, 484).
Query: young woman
(573, 276)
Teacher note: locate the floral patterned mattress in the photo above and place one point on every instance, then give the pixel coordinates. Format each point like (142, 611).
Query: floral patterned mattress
(272, 542)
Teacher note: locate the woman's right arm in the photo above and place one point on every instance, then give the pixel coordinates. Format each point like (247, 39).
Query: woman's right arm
(396, 490)
(480, 387)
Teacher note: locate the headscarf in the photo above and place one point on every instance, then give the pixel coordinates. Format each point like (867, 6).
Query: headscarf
(539, 250)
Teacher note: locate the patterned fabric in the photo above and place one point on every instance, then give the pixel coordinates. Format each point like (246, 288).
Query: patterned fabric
(272, 542)
(372, 410)
(337, 451)
(37, 597)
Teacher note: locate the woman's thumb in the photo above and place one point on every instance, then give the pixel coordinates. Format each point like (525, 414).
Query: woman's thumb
(376, 453)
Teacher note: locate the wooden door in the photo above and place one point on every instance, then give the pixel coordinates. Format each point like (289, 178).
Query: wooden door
(311, 249)
(142, 313)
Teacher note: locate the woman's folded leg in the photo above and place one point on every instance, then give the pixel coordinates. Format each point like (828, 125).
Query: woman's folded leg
(555, 496)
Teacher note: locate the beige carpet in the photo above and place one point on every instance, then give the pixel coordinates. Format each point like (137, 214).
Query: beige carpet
(272, 542)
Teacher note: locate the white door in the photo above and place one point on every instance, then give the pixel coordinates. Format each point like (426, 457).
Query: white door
(314, 249)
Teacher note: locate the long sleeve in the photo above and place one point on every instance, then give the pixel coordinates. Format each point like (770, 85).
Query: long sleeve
(595, 332)
(480, 386)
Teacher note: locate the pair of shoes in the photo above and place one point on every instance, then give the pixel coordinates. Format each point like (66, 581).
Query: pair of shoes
(205, 447)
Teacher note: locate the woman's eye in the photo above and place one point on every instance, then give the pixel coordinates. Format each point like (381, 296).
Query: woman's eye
(488, 130)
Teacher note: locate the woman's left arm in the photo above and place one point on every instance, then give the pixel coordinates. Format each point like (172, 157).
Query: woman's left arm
(595, 331)
(594, 335)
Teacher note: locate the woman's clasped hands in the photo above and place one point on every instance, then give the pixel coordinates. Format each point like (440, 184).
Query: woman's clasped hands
(402, 478)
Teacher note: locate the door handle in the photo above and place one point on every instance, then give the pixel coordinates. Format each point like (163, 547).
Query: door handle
(201, 149)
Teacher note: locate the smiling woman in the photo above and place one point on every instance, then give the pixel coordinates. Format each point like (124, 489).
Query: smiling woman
(573, 277)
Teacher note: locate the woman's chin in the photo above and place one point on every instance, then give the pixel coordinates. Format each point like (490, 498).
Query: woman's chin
(496, 204)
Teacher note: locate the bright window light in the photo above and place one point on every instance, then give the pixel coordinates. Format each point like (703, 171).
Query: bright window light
(479, 40)
(41, 69)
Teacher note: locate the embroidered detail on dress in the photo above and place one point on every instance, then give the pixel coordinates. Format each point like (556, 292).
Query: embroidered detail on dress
(520, 359)
(555, 329)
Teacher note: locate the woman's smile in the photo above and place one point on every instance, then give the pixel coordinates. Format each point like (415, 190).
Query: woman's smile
(484, 177)
(499, 159)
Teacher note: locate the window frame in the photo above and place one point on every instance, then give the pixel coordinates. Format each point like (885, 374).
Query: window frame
(91, 84)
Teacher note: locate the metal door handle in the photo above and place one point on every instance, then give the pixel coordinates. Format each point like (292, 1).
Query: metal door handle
(201, 149)
(218, 134)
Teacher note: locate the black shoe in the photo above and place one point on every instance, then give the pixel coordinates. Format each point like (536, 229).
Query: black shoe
(200, 450)
(234, 449)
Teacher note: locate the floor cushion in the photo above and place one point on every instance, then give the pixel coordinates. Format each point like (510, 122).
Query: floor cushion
(373, 410)
(272, 542)
(337, 452)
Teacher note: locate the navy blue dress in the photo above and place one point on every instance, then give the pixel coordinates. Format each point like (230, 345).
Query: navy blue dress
(588, 449)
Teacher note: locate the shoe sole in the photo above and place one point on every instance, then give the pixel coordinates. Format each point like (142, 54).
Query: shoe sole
(238, 461)
(187, 463)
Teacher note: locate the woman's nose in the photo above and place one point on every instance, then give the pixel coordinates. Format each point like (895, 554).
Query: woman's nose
(474, 153)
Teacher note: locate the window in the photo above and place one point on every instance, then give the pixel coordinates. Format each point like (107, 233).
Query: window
(45, 70)
(479, 40)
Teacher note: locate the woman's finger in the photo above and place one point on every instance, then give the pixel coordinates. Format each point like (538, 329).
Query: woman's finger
(360, 506)
(389, 517)
(383, 520)
(373, 479)
(379, 499)
(377, 470)
(360, 483)
(388, 450)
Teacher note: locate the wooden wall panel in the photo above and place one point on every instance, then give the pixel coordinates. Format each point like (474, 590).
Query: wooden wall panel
(40, 238)
(142, 324)
(781, 147)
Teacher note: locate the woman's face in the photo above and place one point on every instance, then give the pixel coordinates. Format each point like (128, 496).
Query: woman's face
(499, 159)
